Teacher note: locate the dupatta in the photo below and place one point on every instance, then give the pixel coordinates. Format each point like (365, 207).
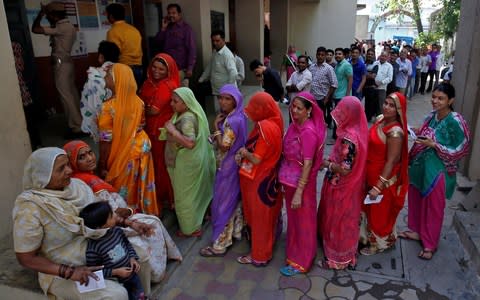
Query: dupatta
(128, 109)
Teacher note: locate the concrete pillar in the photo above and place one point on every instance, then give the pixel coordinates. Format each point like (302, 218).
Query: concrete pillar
(466, 79)
(249, 26)
(279, 33)
(15, 142)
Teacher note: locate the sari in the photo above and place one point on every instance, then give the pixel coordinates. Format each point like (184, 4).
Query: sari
(192, 171)
(432, 174)
(129, 165)
(302, 142)
(47, 220)
(158, 94)
(261, 199)
(381, 217)
(341, 196)
(159, 246)
(227, 220)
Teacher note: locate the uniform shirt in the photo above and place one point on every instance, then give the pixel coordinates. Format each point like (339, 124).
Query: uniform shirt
(221, 70)
(62, 37)
(343, 70)
(112, 251)
(128, 40)
(323, 77)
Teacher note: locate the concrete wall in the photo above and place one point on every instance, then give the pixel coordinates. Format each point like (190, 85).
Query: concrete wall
(361, 27)
(15, 142)
(466, 79)
(279, 33)
(249, 24)
(324, 23)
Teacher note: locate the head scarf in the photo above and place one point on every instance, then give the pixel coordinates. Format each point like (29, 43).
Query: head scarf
(320, 129)
(352, 126)
(237, 116)
(93, 181)
(191, 102)
(128, 115)
(172, 79)
(39, 167)
(401, 106)
(59, 204)
(262, 107)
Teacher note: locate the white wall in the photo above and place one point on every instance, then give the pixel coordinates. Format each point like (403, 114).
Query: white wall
(15, 142)
(328, 23)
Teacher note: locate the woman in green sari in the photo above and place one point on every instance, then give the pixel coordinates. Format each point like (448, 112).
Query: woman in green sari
(190, 161)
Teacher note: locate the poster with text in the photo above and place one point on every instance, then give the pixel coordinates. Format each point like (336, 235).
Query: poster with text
(87, 13)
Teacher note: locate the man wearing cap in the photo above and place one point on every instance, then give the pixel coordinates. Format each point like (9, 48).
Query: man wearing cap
(62, 36)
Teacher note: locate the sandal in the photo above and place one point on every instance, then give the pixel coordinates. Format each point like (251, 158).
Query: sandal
(210, 252)
(196, 233)
(323, 265)
(409, 235)
(367, 251)
(426, 254)
(248, 260)
(289, 271)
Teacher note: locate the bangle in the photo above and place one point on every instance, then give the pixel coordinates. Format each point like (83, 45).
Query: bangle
(70, 274)
(302, 182)
(61, 270)
(383, 179)
(131, 211)
(330, 166)
(377, 189)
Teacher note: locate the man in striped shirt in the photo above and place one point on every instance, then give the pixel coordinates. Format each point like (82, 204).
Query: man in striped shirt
(113, 251)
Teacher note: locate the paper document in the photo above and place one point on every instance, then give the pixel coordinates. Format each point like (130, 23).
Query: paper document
(411, 132)
(370, 201)
(93, 284)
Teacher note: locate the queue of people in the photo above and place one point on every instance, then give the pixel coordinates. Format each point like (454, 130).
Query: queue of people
(156, 151)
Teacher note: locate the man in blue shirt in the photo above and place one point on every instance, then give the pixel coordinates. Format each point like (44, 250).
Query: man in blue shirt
(359, 73)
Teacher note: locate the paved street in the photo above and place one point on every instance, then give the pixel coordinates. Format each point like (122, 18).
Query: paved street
(395, 274)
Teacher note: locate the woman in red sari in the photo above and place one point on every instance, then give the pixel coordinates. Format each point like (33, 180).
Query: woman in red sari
(387, 174)
(343, 186)
(261, 198)
(156, 92)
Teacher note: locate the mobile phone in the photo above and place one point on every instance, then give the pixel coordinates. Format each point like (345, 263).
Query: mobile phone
(421, 137)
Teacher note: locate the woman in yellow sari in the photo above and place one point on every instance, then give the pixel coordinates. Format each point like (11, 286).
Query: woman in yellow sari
(125, 158)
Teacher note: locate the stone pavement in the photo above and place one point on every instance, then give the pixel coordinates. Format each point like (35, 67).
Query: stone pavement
(394, 274)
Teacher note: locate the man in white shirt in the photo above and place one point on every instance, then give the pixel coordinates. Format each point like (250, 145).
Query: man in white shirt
(425, 61)
(301, 80)
(383, 78)
(438, 64)
(404, 71)
(222, 68)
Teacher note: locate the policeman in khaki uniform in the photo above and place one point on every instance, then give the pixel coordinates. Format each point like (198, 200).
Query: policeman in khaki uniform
(62, 36)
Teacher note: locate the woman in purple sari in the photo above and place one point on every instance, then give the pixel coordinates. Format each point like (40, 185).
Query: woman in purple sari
(302, 158)
(229, 136)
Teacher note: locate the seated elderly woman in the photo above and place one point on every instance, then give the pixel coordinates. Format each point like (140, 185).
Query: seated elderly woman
(159, 246)
(50, 238)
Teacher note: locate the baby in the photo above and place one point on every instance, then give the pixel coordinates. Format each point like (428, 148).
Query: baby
(113, 250)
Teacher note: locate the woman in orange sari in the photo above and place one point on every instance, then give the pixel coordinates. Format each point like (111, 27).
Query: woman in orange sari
(156, 93)
(387, 174)
(125, 158)
(258, 160)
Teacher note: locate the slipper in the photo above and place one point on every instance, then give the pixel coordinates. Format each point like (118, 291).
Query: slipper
(210, 252)
(289, 271)
(367, 251)
(323, 265)
(248, 260)
(196, 233)
(245, 260)
(409, 235)
(426, 254)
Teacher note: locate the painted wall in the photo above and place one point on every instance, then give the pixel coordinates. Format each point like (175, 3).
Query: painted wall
(466, 79)
(323, 23)
(15, 142)
(361, 27)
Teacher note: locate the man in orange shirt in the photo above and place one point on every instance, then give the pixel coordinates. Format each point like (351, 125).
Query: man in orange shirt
(127, 38)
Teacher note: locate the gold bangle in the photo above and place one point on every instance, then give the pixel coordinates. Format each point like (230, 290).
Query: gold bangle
(131, 211)
(383, 179)
(377, 189)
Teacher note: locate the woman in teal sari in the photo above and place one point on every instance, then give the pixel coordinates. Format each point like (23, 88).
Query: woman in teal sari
(190, 161)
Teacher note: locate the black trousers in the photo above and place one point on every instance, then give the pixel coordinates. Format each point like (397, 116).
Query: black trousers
(371, 102)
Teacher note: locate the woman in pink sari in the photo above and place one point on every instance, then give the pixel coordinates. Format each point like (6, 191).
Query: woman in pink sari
(343, 186)
(302, 158)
